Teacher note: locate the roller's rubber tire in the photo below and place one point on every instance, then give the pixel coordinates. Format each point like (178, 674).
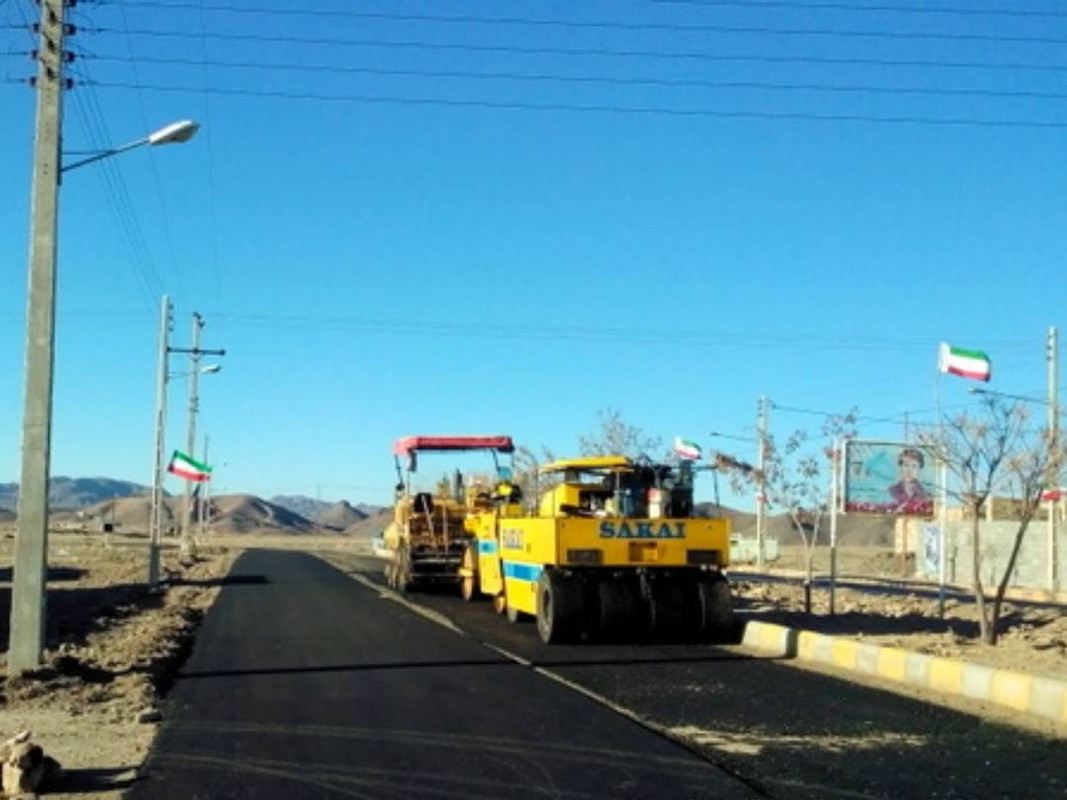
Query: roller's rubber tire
(559, 607)
(666, 609)
(499, 603)
(619, 612)
(513, 614)
(716, 611)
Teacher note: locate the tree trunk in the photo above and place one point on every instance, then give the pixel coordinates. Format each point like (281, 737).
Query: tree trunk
(976, 571)
(1002, 587)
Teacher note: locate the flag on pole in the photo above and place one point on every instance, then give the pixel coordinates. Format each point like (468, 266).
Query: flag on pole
(965, 363)
(185, 467)
(683, 448)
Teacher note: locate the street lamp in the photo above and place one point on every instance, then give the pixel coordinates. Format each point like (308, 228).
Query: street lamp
(27, 627)
(175, 133)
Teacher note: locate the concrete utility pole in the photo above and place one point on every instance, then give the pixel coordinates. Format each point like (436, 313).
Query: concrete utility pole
(1053, 482)
(190, 439)
(762, 413)
(155, 524)
(205, 500)
(31, 544)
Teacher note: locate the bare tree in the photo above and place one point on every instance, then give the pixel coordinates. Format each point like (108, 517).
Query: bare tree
(618, 437)
(996, 449)
(795, 479)
(527, 476)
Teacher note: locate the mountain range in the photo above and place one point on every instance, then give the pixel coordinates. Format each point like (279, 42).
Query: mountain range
(70, 494)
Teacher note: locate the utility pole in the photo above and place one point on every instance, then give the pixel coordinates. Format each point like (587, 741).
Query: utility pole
(155, 523)
(1053, 482)
(186, 547)
(27, 622)
(205, 498)
(762, 413)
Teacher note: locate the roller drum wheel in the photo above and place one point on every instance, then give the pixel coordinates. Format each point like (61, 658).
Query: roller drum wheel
(715, 607)
(559, 607)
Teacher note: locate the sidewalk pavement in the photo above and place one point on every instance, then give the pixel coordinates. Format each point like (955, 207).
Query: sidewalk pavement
(1030, 694)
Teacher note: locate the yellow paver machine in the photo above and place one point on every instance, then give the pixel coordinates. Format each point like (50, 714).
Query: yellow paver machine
(426, 541)
(614, 551)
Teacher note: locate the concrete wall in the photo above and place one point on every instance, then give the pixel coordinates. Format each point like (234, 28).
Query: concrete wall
(995, 542)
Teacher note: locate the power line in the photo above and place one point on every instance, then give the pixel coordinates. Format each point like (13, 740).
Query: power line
(611, 52)
(831, 6)
(216, 263)
(394, 326)
(117, 193)
(595, 79)
(665, 111)
(157, 183)
(466, 19)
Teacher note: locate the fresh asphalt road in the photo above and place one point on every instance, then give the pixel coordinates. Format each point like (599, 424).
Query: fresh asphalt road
(304, 683)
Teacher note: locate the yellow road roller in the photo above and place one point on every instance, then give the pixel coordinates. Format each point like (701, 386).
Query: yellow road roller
(612, 552)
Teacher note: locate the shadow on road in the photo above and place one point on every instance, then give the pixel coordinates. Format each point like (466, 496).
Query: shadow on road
(100, 779)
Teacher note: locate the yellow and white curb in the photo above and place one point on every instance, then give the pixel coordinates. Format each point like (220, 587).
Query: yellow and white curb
(1030, 694)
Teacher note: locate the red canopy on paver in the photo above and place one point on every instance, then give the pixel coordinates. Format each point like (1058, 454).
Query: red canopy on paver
(411, 444)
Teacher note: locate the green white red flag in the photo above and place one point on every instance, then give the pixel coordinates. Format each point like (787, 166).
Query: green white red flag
(686, 449)
(185, 467)
(966, 363)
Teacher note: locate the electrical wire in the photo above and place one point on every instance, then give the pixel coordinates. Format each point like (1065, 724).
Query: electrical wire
(663, 111)
(216, 262)
(757, 58)
(832, 6)
(629, 27)
(574, 333)
(594, 79)
(117, 193)
(176, 274)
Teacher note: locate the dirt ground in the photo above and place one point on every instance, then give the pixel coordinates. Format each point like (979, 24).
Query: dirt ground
(114, 648)
(1033, 639)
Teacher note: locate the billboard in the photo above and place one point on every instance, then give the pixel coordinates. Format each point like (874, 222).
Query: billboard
(889, 478)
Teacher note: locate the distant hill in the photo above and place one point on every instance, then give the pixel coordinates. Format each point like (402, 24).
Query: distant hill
(340, 516)
(376, 522)
(307, 507)
(75, 493)
(241, 513)
(332, 515)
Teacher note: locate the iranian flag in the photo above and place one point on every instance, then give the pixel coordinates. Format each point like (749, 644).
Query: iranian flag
(965, 363)
(185, 467)
(683, 448)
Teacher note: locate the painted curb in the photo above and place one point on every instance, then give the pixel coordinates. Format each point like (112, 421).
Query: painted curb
(1029, 694)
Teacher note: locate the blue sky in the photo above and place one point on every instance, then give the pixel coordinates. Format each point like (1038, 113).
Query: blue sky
(431, 253)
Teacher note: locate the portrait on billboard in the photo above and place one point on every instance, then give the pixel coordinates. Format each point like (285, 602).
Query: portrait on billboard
(889, 478)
